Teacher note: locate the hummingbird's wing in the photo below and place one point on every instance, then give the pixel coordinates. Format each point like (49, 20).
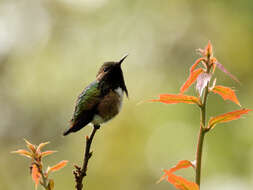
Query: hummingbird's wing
(85, 108)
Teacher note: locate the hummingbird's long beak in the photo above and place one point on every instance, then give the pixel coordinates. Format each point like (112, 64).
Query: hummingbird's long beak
(122, 59)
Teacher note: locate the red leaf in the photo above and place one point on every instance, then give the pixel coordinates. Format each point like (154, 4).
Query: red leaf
(214, 67)
(30, 146)
(227, 117)
(177, 98)
(46, 153)
(35, 175)
(182, 164)
(180, 182)
(209, 49)
(57, 167)
(196, 64)
(202, 82)
(23, 153)
(41, 145)
(226, 93)
(223, 69)
(191, 79)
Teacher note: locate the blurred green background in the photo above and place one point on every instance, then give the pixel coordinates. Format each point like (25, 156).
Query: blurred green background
(51, 49)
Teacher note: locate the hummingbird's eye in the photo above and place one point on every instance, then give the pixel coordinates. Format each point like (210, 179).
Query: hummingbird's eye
(106, 69)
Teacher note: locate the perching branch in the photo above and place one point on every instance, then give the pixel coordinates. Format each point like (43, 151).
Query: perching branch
(80, 173)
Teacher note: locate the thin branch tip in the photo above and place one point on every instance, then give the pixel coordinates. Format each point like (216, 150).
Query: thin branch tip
(81, 172)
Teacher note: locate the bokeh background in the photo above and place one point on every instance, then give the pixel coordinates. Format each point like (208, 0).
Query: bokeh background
(51, 49)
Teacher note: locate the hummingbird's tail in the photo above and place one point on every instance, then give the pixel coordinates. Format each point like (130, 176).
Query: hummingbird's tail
(67, 132)
(77, 125)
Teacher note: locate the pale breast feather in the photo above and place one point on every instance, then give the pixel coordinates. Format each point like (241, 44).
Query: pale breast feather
(120, 92)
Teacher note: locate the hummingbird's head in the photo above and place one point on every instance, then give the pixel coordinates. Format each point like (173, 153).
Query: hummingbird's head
(111, 72)
(110, 68)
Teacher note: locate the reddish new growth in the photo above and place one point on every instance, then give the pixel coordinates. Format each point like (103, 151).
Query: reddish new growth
(202, 76)
(38, 175)
(201, 73)
(178, 181)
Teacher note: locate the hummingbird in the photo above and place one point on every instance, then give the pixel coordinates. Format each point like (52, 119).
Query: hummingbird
(102, 99)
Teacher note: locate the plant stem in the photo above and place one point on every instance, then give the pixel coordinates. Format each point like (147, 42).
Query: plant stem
(202, 132)
(80, 173)
(44, 181)
(200, 146)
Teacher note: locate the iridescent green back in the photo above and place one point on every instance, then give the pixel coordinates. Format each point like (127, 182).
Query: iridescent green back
(87, 100)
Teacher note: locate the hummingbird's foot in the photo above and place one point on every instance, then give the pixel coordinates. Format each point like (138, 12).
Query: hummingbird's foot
(96, 126)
